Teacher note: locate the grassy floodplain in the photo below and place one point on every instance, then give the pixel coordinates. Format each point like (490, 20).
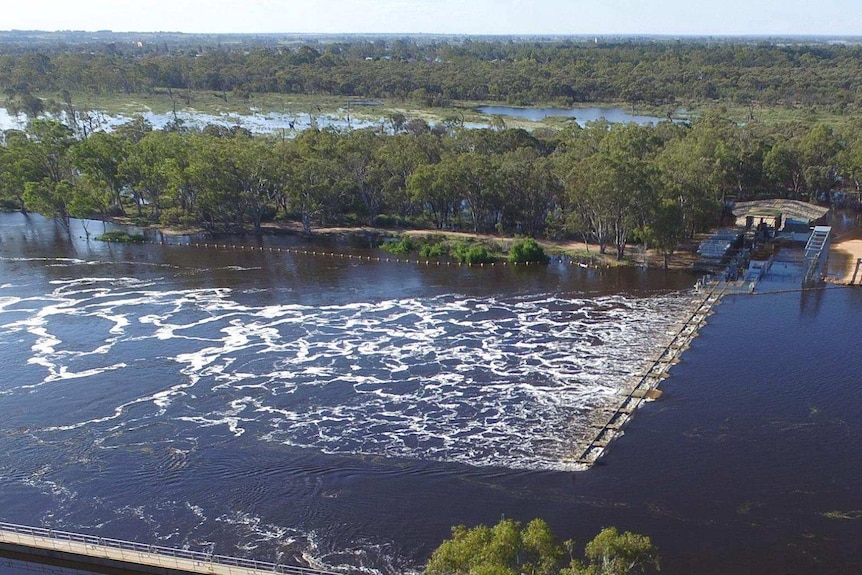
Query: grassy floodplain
(163, 101)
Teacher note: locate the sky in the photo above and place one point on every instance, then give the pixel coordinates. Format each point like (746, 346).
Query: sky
(551, 17)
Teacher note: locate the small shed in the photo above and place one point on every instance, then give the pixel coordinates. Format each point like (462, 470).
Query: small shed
(779, 215)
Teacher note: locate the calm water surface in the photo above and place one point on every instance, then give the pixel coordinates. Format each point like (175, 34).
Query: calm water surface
(291, 408)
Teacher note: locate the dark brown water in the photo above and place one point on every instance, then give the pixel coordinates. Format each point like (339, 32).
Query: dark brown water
(280, 406)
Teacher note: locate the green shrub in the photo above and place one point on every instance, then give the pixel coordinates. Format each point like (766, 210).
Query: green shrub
(471, 253)
(428, 250)
(402, 246)
(121, 236)
(527, 250)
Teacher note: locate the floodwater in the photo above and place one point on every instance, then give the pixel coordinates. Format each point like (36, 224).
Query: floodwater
(298, 408)
(257, 123)
(581, 115)
(289, 124)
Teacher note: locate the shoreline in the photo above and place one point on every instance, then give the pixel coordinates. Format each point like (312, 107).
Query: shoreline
(682, 259)
(848, 268)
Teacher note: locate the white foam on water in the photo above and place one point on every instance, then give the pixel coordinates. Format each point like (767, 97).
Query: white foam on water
(238, 268)
(490, 381)
(255, 530)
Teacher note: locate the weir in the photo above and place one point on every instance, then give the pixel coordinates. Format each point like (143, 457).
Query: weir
(646, 384)
(816, 253)
(104, 555)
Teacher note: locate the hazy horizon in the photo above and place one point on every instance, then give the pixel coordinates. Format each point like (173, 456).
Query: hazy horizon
(732, 18)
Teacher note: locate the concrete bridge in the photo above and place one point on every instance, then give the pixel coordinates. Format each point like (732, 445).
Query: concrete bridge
(114, 556)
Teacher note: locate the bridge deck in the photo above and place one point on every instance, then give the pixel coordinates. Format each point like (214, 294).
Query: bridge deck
(134, 556)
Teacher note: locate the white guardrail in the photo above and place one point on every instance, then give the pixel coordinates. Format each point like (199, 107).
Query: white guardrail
(166, 553)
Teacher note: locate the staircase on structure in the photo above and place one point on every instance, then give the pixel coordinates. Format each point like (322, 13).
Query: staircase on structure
(816, 252)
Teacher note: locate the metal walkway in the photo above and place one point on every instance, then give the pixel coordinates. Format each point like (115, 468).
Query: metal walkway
(816, 252)
(133, 557)
(645, 385)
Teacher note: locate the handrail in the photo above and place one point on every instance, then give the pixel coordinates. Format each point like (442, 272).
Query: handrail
(159, 550)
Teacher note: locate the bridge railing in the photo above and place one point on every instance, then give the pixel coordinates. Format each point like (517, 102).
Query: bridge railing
(197, 556)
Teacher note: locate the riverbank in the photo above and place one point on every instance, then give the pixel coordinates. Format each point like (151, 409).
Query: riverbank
(845, 264)
(682, 259)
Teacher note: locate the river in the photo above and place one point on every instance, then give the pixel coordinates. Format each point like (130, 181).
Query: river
(302, 408)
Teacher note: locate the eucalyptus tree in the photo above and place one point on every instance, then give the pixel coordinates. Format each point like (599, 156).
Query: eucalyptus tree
(251, 167)
(685, 175)
(48, 187)
(717, 146)
(317, 180)
(145, 170)
(531, 190)
(614, 553)
(850, 156)
(18, 165)
(511, 548)
(612, 188)
(783, 169)
(89, 198)
(358, 152)
(819, 151)
(664, 227)
(508, 548)
(396, 159)
(587, 213)
(212, 174)
(476, 180)
(433, 187)
(99, 157)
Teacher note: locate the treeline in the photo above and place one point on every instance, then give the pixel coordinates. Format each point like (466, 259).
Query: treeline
(436, 73)
(607, 183)
(511, 548)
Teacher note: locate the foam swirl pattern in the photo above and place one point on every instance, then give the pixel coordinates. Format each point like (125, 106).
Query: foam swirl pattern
(485, 381)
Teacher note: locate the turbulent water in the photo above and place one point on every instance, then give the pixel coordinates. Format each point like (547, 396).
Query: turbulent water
(152, 394)
(482, 381)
